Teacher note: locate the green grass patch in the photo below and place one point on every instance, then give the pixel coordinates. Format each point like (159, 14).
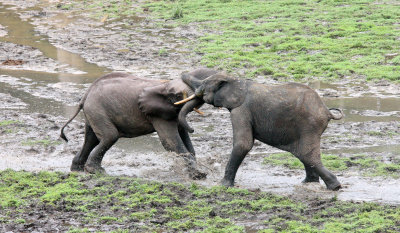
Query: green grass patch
(366, 165)
(382, 133)
(10, 126)
(297, 38)
(17, 187)
(44, 142)
(117, 204)
(8, 122)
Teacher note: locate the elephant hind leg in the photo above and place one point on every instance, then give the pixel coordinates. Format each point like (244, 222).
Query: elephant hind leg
(90, 142)
(107, 137)
(311, 158)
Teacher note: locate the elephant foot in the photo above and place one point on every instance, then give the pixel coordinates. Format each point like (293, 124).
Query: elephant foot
(309, 180)
(197, 175)
(334, 186)
(77, 168)
(227, 183)
(94, 169)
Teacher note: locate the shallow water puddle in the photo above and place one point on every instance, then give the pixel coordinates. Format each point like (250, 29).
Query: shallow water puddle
(361, 102)
(359, 109)
(22, 32)
(45, 92)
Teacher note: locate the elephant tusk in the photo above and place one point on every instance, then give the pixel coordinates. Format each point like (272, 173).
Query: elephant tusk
(198, 111)
(185, 100)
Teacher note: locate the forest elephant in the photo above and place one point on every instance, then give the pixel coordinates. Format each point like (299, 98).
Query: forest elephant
(122, 105)
(291, 117)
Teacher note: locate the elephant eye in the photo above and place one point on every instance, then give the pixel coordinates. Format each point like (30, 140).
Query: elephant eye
(220, 85)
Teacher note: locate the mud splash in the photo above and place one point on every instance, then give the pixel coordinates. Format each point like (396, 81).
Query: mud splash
(39, 95)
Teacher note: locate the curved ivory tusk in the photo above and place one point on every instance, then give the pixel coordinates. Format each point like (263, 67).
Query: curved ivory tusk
(185, 100)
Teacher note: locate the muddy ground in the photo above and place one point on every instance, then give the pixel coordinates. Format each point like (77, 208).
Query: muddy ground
(49, 57)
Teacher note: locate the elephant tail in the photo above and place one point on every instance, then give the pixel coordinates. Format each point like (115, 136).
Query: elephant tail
(62, 135)
(336, 116)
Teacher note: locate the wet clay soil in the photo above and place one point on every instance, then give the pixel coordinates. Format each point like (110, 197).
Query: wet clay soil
(60, 59)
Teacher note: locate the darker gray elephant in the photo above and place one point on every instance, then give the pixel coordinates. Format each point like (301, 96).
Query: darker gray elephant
(291, 117)
(121, 105)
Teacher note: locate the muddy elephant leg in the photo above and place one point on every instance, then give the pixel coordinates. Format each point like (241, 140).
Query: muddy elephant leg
(186, 140)
(311, 174)
(169, 135)
(312, 159)
(330, 179)
(172, 141)
(243, 141)
(90, 142)
(107, 138)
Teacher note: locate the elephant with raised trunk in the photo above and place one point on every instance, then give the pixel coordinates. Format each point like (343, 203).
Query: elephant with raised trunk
(121, 105)
(291, 117)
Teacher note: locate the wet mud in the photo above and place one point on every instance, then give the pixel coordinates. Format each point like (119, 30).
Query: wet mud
(60, 60)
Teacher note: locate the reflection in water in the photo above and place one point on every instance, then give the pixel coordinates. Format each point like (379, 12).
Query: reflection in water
(387, 149)
(359, 109)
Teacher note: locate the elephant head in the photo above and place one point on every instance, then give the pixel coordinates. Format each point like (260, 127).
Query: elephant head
(218, 90)
(158, 101)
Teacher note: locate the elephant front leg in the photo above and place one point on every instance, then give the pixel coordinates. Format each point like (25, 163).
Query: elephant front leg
(171, 140)
(243, 141)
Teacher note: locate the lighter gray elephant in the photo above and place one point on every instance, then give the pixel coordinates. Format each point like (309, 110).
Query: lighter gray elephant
(122, 105)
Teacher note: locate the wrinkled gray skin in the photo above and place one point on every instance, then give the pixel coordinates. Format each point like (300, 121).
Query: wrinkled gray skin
(121, 105)
(291, 117)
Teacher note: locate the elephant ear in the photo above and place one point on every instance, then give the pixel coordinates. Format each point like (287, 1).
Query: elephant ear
(154, 101)
(228, 92)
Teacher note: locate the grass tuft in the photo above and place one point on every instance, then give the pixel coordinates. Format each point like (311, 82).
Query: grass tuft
(367, 166)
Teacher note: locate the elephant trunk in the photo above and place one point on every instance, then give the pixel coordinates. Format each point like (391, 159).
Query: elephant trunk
(186, 109)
